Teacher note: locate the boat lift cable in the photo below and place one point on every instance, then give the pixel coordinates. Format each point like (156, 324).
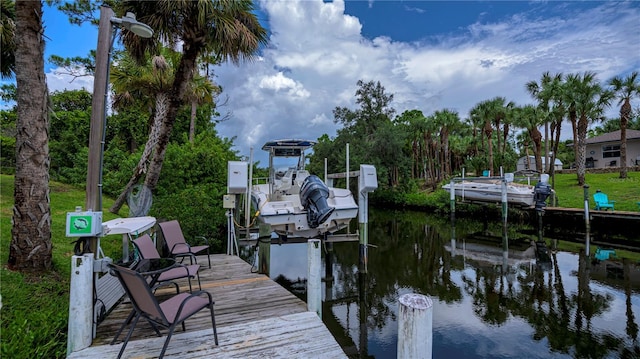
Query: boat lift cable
(253, 221)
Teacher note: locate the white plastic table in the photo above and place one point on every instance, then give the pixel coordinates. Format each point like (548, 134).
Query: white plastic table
(128, 227)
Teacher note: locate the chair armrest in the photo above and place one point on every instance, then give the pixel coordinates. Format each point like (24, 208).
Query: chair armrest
(205, 239)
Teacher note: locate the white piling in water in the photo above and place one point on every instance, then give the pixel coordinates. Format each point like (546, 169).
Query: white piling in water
(415, 332)
(80, 332)
(314, 277)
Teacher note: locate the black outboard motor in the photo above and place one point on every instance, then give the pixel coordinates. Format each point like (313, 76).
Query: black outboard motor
(541, 192)
(313, 196)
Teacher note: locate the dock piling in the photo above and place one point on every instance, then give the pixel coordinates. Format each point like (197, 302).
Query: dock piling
(415, 332)
(314, 278)
(587, 223)
(80, 303)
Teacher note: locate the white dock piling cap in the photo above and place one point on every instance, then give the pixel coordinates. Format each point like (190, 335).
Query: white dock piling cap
(416, 301)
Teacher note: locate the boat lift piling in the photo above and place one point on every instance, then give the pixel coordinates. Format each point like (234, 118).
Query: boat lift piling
(587, 224)
(367, 182)
(314, 279)
(503, 199)
(505, 211)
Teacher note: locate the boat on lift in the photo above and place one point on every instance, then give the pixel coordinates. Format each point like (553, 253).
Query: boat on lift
(490, 190)
(294, 202)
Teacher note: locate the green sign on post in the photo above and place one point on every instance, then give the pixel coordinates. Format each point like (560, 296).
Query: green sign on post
(81, 224)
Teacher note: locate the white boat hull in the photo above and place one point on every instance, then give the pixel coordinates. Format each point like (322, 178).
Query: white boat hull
(517, 194)
(287, 217)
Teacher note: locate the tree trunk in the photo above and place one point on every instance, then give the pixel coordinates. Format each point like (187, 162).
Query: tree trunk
(546, 148)
(184, 74)
(30, 247)
(488, 130)
(625, 112)
(573, 118)
(582, 149)
(536, 138)
(556, 141)
(192, 123)
(162, 106)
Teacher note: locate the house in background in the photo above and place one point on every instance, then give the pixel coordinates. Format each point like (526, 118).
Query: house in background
(604, 150)
(523, 164)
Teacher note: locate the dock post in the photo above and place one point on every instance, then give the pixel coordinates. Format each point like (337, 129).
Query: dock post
(505, 211)
(587, 224)
(452, 202)
(264, 249)
(314, 278)
(415, 332)
(452, 216)
(328, 260)
(368, 182)
(80, 303)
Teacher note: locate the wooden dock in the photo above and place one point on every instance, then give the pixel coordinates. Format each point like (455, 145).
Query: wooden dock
(255, 318)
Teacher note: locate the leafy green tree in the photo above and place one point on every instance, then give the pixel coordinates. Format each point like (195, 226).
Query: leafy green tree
(229, 29)
(530, 117)
(7, 38)
(69, 131)
(366, 126)
(550, 96)
(590, 101)
(625, 89)
(447, 121)
(30, 248)
(8, 120)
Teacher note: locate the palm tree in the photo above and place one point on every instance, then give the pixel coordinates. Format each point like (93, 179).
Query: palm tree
(448, 121)
(152, 81)
(493, 112)
(201, 91)
(529, 118)
(590, 101)
(571, 81)
(227, 28)
(30, 247)
(549, 94)
(625, 89)
(7, 38)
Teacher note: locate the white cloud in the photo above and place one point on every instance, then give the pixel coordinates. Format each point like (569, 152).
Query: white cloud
(58, 80)
(317, 54)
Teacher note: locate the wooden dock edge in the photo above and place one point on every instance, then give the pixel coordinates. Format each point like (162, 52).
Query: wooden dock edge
(299, 335)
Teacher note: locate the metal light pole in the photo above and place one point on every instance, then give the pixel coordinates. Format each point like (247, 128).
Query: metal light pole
(81, 326)
(98, 105)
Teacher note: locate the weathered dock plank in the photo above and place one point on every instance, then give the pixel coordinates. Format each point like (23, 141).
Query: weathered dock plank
(300, 335)
(255, 317)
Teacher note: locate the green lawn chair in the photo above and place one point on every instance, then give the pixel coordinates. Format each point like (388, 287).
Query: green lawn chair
(602, 201)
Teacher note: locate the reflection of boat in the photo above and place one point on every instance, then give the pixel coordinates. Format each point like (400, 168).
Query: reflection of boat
(491, 191)
(296, 203)
(492, 254)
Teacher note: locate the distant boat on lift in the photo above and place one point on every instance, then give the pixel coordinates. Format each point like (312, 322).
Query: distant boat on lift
(490, 190)
(295, 203)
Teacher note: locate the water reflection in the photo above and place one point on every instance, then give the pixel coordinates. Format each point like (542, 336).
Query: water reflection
(488, 303)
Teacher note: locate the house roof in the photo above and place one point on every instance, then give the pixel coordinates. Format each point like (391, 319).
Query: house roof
(533, 158)
(613, 137)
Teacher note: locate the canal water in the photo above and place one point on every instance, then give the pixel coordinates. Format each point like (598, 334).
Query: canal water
(487, 302)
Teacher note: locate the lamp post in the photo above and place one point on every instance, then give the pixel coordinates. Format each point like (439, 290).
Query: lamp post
(81, 328)
(98, 105)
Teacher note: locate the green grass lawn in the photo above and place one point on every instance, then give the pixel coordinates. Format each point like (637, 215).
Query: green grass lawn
(35, 308)
(626, 192)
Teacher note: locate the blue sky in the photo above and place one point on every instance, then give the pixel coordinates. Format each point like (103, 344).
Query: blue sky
(430, 54)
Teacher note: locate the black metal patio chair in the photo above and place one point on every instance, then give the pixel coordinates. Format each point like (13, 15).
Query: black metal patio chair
(167, 314)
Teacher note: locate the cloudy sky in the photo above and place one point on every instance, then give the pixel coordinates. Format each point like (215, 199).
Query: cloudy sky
(430, 55)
